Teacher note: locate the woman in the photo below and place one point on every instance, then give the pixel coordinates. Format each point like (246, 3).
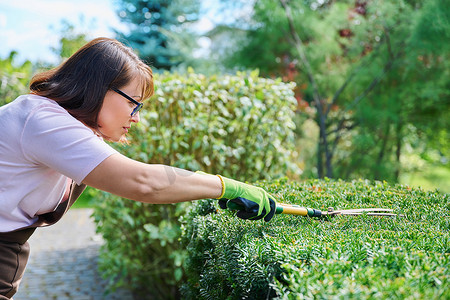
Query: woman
(52, 145)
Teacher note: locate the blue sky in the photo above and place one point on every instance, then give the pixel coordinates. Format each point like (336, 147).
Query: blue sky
(32, 27)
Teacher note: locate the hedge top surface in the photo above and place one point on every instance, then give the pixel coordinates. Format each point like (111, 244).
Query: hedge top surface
(295, 257)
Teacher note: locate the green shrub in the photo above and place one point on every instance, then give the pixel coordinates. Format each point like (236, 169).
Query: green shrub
(346, 257)
(13, 79)
(239, 126)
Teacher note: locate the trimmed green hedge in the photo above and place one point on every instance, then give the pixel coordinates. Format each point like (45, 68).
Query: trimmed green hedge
(347, 257)
(236, 125)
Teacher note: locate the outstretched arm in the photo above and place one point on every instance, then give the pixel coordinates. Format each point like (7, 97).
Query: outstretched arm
(151, 183)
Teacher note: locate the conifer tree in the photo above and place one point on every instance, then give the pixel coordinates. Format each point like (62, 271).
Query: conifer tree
(152, 24)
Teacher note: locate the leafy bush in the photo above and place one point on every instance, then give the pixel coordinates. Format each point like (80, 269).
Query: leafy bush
(13, 79)
(348, 257)
(239, 126)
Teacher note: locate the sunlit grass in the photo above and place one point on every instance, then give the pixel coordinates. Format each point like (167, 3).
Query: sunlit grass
(86, 199)
(429, 178)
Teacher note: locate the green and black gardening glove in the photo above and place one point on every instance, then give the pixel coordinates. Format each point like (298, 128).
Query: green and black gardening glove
(254, 202)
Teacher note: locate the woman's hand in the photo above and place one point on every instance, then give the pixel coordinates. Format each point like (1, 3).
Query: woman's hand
(254, 202)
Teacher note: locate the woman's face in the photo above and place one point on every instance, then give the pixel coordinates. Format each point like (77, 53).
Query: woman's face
(114, 118)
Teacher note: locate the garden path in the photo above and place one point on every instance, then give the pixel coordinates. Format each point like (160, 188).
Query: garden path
(63, 262)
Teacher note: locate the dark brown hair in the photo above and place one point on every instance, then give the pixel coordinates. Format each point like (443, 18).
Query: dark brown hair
(80, 83)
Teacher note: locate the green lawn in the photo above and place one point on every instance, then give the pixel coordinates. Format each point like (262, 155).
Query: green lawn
(430, 178)
(86, 199)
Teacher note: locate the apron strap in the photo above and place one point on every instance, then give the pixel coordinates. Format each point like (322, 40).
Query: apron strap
(54, 216)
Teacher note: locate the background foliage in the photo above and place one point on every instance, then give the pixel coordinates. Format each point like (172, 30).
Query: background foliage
(377, 69)
(294, 257)
(13, 78)
(216, 124)
(375, 73)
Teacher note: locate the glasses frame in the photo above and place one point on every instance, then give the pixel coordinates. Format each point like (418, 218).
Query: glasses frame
(139, 105)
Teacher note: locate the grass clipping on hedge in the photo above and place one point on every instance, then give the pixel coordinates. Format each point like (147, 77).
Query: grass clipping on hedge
(294, 257)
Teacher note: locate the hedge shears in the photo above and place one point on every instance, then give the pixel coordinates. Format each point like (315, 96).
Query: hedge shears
(291, 209)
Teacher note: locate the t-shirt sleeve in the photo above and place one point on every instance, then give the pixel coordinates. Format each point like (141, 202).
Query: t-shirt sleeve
(54, 138)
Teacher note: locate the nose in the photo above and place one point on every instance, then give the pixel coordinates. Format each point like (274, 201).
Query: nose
(136, 118)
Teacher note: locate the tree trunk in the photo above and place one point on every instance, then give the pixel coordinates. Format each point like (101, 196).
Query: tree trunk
(382, 152)
(398, 150)
(325, 150)
(321, 112)
(319, 160)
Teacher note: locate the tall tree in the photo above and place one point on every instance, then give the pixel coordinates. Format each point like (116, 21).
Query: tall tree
(158, 28)
(357, 59)
(410, 106)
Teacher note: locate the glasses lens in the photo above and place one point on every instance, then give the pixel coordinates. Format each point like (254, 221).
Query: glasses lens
(137, 109)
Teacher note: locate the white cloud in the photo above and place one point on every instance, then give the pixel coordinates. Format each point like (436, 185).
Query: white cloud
(203, 25)
(3, 20)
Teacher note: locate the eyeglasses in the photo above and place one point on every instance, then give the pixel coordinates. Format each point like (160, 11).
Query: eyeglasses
(138, 104)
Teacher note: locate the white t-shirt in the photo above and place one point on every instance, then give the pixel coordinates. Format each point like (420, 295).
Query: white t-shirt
(41, 145)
